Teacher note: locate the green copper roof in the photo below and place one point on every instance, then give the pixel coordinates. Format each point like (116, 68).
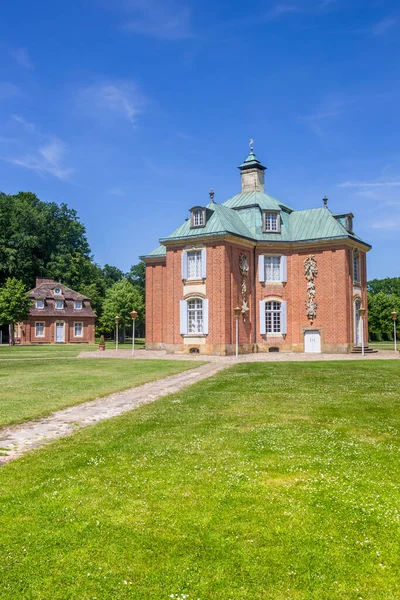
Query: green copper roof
(251, 162)
(220, 220)
(264, 201)
(160, 251)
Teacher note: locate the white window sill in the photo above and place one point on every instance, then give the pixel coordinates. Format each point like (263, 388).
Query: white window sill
(193, 335)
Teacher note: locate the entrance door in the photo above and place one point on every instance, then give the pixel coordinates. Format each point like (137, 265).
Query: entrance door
(312, 341)
(60, 335)
(357, 323)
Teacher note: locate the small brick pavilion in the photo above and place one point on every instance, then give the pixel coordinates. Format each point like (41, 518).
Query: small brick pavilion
(59, 315)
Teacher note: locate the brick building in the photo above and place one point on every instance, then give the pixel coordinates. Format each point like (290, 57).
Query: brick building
(58, 315)
(297, 276)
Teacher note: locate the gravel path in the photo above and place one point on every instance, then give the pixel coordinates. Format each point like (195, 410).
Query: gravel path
(18, 439)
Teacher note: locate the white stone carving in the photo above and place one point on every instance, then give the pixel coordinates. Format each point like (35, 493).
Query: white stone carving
(311, 272)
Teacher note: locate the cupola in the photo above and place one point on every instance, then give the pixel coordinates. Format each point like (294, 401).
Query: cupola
(252, 172)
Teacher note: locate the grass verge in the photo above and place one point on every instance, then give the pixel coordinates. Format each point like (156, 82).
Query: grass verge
(267, 481)
(35, 388)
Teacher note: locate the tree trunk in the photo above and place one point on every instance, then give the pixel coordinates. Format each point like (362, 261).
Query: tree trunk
(123, 334)
(11, 340)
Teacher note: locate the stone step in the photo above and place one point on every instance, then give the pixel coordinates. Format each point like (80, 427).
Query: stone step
(367, 350)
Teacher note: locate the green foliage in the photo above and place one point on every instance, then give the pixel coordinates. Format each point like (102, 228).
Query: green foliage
(14, 303)
(389, 286)
(137, 276)
(41, 239)
(120, 300)
(46, 239)
(380, 308)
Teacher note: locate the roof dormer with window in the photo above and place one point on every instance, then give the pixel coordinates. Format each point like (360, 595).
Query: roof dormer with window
(197, 217)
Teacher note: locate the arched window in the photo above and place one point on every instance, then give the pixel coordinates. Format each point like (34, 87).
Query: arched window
(194, 316)
(356, 267)
(273, 316)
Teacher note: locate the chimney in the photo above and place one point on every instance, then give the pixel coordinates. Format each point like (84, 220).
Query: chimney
(40, 280)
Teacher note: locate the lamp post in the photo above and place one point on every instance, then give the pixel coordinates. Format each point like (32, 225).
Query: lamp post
(133, 317)
(116, 332)
(362, 315)
(237, 311)
(394, 317)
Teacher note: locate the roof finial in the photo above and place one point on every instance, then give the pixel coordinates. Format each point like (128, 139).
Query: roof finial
(251, 144)
(325, 201)
(212, 194)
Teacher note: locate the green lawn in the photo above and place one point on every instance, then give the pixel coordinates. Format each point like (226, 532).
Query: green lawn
(34, 388)
(267, 481)
(61, 350)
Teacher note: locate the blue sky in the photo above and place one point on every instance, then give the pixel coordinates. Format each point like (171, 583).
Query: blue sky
(130, 110)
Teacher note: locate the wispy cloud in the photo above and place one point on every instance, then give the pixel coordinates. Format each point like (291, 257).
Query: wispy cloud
(383, 26)
(31, 127)
(45, 160)
(386, 224)
(40, 152)
(369, 184)
(8, 90)
(162, 19)
(318, 119)
(21, 56)
(120, 99)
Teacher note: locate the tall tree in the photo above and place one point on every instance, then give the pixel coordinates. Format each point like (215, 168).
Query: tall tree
(389, 285)
(380, 308)
(42, 238)
(121, 299)
(14, 305)
(137, 275)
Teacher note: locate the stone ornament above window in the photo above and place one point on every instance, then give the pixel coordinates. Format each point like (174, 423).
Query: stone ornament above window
(311, 272)
(244, 271)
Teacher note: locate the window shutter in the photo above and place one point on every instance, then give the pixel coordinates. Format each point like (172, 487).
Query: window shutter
(284, 269)
(283, 316)
(205, 316)
(262, 317)
(203, 263)
(261, 268)
(184, 319)
(184, 265)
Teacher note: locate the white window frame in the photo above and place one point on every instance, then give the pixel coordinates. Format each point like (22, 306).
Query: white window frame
(265, 309)
(185, 264)
(59, 307)
(197, 217)
(36, 329)
(262, 270)
(185, 308)
(37, 304)
(78, 307)
(81, 324)
(356, 267)
(274, 226)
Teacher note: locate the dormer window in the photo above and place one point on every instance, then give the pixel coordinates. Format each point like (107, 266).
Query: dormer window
(78, 304)
(59, 304)
(198, 217)
(271, 221)
(39, 303)
(349, 222)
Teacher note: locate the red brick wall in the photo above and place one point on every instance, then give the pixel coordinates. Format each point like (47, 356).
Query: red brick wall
(29, 329)
(334, 295)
